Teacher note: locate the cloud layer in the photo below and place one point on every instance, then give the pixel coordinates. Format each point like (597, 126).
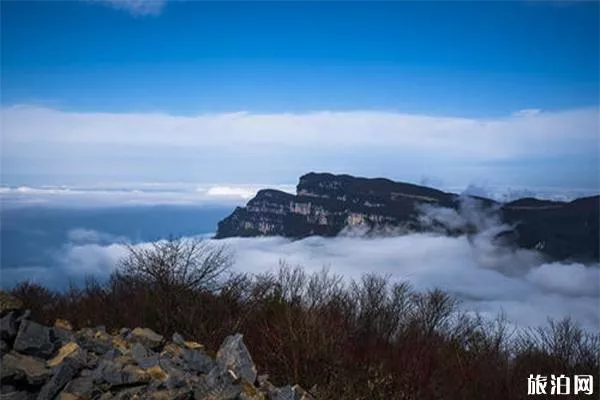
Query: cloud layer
(528, 298)
(249, 147)
(488, 278)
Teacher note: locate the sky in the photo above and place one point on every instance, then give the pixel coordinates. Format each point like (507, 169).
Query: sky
(127, 92)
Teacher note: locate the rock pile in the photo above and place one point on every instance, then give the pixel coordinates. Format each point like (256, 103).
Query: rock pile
(41, 362)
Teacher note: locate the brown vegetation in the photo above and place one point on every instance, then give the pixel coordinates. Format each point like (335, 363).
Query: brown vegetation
(370, 339)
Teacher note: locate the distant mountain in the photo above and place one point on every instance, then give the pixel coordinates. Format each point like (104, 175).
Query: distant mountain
(326, 204)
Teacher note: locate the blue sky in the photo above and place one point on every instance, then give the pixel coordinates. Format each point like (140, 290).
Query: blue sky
(458, 58)
(103, 91)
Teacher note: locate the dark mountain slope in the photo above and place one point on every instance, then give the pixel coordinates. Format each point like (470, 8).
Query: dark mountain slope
(325, 204)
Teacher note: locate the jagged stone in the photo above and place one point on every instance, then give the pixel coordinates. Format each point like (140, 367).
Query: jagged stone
(69, 396)
(7, 389)
(66, 371)
(96, 342)
(147, 337)
(178, 339)
(176, 377)
(82, 387)
(17, 395)
(157, 373)
(8, 326)
(116, 374)
(234, 355)
(197, 361)
(283, 393)
(219, 383)
(63, 324)
(62, 336)
(172, 394)
(96, 365)
(34, 339)
(302, 394)
(142, 356)
(16, 367)
(65, 351)
(128, 393)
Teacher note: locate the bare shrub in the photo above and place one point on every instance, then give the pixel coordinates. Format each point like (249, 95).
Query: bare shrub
(187, 263)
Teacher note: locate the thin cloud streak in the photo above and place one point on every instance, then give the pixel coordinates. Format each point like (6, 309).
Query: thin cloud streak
(136, 7)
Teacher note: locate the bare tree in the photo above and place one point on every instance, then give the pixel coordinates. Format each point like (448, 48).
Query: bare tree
(187, 263)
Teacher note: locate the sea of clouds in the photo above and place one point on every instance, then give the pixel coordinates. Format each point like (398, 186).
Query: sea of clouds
(488, 278)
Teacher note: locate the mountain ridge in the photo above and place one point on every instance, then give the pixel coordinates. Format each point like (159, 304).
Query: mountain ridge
(325, 204)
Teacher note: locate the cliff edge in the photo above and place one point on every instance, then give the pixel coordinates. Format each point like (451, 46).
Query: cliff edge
(326, 204)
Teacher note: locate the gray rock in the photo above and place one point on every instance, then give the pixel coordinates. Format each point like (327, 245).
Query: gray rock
(116, 375)
(66, 371)
(147, 337)
(90, 343)
(17, 395)
(4, 347)
(197, 361)
(62, 336)
(178, 339)
(217, 384)
(34, 339)
(22, 315)
(142, 356)
(283, 393)
(17, 367)
(301, 394)
(234, 355)
(82, 387)
(9, 326)
(127, 393)
(7, 389)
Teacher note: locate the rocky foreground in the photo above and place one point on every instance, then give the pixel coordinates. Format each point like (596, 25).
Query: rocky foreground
(42, 362)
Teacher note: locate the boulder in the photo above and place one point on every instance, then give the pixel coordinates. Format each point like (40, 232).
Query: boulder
(66, 371)
(18, 367)
(147, 337)
(283, 393)
(8, 326)
(234, 355)
(197, 361)
(34, 339)
(142, 356)
(219, 383)
(82, 387)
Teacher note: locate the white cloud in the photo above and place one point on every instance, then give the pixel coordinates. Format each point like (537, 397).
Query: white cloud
(137, 7)
(487, 278)
(527, 112)
(426, 261)
(487, 138)
(106, 194)
(46, 146)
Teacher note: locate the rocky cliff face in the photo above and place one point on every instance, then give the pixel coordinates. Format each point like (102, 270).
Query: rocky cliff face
(44, 363)
(326, 204)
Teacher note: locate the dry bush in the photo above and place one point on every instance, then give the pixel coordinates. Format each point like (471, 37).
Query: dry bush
(367, 339)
